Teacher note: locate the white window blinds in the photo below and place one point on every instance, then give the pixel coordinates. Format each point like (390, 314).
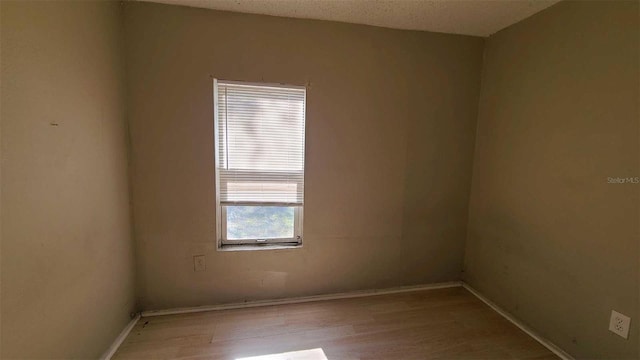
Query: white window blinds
(260, 144)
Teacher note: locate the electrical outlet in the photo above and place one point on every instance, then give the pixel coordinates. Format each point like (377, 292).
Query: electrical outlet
(619, 324)
(199, 263)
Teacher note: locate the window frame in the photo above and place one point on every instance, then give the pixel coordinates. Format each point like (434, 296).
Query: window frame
(221, 210)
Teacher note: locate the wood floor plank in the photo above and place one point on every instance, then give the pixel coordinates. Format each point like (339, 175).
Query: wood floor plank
(433, 324)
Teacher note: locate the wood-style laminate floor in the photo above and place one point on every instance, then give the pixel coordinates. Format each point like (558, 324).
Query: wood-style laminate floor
(432, 324)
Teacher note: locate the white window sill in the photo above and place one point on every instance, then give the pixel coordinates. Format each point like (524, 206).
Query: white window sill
(259, 247)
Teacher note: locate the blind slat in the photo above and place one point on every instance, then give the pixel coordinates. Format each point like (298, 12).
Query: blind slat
(260, 144)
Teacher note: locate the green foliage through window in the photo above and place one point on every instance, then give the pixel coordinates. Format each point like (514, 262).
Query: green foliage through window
(259, 222)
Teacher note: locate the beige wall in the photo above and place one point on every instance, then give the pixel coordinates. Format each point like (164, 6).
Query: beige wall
(390, 132)
(549, 239)
(67, 254)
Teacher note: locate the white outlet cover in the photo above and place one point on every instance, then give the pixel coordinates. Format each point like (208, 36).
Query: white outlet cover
(619, 324)
(199, 263)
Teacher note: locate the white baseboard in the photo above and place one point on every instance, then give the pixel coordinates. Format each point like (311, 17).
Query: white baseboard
(546, 343)
(120, 339)
(296, 300)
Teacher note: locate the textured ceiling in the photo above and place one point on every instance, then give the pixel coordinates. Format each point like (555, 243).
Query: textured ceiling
(468, 17)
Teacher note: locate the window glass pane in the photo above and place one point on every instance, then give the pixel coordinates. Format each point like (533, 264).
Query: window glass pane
(259, 222)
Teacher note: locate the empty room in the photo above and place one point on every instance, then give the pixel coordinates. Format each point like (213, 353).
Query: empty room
(320, 179)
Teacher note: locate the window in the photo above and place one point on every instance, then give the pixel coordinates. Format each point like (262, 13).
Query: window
(259, 143)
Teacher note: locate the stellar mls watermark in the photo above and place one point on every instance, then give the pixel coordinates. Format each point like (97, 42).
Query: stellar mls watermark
(623, 180)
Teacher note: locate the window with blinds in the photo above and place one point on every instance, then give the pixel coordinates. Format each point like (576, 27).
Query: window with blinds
(259, 142)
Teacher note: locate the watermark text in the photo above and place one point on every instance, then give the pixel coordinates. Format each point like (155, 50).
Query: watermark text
(623, 180)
